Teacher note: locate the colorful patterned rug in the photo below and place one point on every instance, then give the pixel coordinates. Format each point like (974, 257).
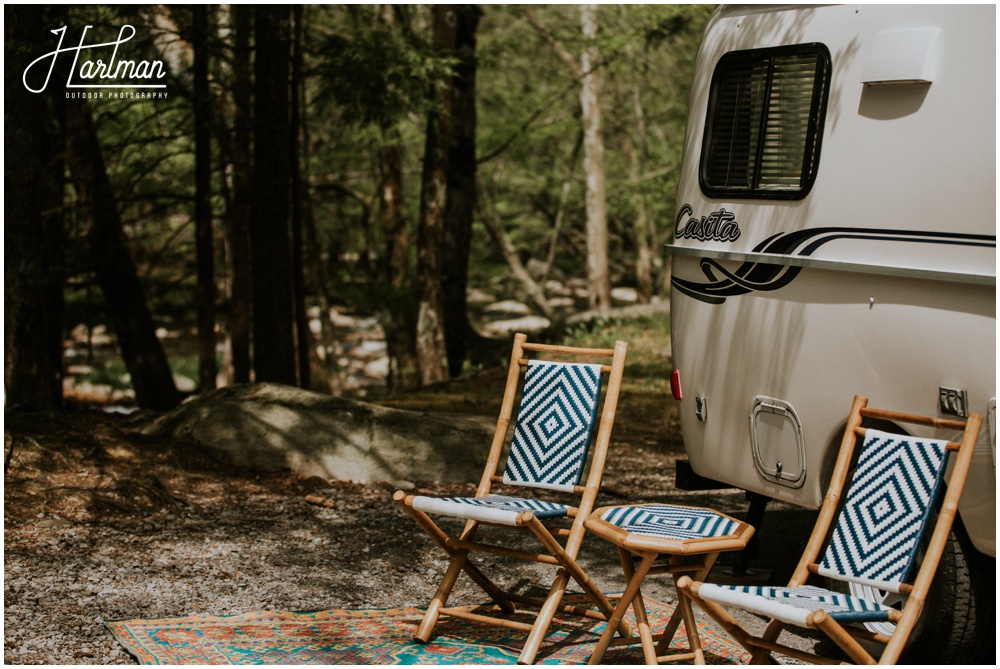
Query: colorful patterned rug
(380, 636)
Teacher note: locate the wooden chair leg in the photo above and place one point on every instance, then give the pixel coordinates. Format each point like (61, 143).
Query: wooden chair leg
(761, 655)
(634, 578)
(427, 524)
(544, 618)
(638, 605)
(822, 621)
(708, 561)
(691, 627)
(440, 598)
(569, 564)
(718, 614)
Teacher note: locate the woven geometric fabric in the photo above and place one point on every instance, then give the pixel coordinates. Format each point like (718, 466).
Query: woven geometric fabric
(888, 504)
(671, 522)
(379, 637)
(793, 605)
(492, 509)
(554, 425)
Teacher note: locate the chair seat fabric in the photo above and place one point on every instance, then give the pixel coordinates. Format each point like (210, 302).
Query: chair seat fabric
(670, 522)
(499, 509)
(793, 605)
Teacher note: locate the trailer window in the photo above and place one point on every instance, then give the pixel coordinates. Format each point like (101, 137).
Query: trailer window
(765, 121)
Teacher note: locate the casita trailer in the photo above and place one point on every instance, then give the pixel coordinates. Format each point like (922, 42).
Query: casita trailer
(836, 235)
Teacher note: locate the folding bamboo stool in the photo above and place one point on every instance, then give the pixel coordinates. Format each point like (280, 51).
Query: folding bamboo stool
(691, 538)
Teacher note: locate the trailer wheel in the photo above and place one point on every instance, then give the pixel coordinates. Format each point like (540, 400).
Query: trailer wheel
(956, 625)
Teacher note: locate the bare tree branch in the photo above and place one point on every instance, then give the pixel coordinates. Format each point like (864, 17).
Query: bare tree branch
(560, 50)
(495, 227)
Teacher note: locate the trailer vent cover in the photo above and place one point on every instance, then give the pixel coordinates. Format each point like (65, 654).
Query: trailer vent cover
(779, 453)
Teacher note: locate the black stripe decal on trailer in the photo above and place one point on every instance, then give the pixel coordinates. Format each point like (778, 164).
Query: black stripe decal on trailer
(777, 260)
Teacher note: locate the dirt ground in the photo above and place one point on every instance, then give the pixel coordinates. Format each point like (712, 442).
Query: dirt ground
(102, 523)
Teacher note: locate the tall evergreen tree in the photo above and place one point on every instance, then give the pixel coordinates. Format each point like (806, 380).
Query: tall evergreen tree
(270, 250)
(461, 184)
(204, 246)
(431, 348)
(237, 232)
(116, 272)
(34, 140)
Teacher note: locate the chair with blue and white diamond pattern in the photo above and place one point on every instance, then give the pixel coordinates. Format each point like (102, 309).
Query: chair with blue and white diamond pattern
(549, 452)
(877, 535)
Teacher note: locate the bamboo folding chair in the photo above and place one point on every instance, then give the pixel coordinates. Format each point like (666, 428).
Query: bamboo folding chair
(552, 437)
(878, 534)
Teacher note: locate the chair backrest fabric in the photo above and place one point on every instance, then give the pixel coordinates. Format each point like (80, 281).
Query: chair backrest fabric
(555, 423)
(889, 503)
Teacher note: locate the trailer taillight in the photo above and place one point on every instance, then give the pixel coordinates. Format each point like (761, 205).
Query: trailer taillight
(675, 384)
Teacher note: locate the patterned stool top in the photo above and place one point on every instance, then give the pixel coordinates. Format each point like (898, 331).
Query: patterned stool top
(670, 522)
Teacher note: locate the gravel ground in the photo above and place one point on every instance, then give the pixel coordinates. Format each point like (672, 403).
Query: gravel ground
(103, 524)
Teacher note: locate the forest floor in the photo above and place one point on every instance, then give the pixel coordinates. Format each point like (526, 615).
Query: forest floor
(104, 523)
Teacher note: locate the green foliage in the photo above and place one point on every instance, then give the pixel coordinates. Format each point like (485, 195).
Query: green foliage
(368, 70)
(649, 48)
(372, 74)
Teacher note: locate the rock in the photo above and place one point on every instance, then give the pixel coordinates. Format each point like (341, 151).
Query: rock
(55, 523)
(185, 384)
(623, 295)
(526, 324)
(506, 309)
(315, 483)
(378, 369)
(536, 268)
(271, 427)
(368, 350)
(555, 289)
(475, 296)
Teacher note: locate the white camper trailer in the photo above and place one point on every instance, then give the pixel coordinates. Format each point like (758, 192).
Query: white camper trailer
(836, 235)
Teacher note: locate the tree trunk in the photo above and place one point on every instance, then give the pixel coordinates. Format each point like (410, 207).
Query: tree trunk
(273, 314)
(597, 220)
(116, 274)
(561, 211)
(34, 141)
(400, 320)
(239, 240)
(461, 202)
(400, 323)
(431, 350)
(204, 251)
(641, 227)
(302, 338)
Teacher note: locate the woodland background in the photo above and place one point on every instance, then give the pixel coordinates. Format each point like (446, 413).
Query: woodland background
(386, 161)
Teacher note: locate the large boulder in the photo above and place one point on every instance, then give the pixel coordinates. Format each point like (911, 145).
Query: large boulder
(271, 427)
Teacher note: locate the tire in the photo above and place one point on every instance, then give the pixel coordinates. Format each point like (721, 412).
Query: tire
(957, 624)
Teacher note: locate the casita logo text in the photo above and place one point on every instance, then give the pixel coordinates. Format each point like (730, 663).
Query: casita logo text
(117, 72)
(719, 226)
